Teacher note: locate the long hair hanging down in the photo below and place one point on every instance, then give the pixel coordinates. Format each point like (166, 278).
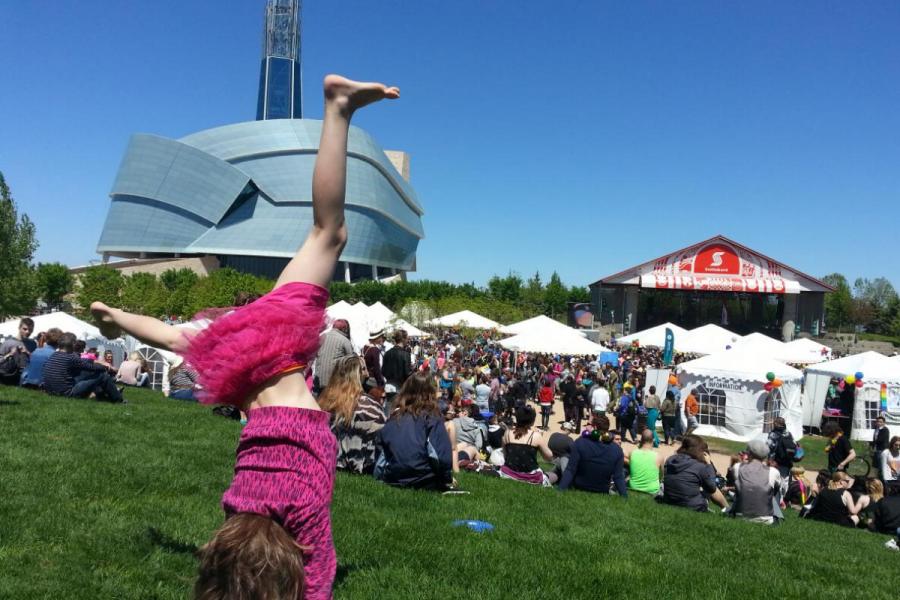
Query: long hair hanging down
(341, 396)
(250, 556)
(418, 396)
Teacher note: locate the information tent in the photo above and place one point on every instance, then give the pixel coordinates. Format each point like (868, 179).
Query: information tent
(730, 388)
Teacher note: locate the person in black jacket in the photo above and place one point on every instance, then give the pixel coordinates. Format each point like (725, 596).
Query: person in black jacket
(881, 441)
(690, 478)
(414, 448)
(594, 461)
(396, 367)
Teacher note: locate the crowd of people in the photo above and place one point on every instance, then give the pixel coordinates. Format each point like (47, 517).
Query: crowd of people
(486, 399)
(60, 364)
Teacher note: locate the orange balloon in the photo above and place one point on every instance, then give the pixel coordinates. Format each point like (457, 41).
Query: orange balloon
(777, 383)
(673, 380)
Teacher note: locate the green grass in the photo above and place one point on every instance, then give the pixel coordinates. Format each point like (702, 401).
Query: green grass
(106, 501)
(877, 337)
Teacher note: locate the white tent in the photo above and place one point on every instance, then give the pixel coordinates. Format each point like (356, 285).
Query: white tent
(540, 322)
(729, 387)
(64, 321)
(553, 341)
(464, 318)
(761, 344)
(876, 369)
(706, 339)
(655, 336)
(804, 351)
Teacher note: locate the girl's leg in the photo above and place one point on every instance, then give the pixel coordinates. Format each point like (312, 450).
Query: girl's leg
(316, 259)
(112, 321)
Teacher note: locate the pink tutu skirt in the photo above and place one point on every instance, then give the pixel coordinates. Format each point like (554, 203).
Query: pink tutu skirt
(243, 349)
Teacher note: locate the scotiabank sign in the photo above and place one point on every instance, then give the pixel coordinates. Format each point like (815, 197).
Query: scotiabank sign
(719, 267)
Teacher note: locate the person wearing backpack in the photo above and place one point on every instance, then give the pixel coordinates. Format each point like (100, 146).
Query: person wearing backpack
(782, 448)
(15, 353)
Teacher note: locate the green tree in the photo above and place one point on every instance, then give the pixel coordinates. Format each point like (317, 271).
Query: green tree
(53, 282)
(143, 294)
(220, 288)
(99, 283)
(178, 284)
(839, 303)
(18, 292)
(507, 289)
(555, 295)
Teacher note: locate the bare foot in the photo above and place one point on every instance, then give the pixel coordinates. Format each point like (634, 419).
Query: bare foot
(105, 322)
(347, 95)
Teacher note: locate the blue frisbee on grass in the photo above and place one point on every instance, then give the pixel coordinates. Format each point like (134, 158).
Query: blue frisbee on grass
(476, 526)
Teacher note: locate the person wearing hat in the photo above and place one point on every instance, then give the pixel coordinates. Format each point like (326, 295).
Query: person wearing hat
(372, 353)
(182, 380)
(757, 486)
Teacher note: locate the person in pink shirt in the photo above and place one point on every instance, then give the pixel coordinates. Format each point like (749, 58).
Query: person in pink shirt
(276, 540)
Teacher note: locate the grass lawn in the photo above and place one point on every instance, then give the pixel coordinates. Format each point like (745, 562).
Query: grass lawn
(106, 501)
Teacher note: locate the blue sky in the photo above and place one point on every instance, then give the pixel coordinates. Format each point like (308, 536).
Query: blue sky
(582, 137)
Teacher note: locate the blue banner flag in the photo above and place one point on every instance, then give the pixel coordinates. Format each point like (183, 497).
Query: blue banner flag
(669, 350)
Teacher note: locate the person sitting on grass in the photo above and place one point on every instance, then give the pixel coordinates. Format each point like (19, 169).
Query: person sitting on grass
(470, 433)
(840, 452)
(131, 371)
(67, 374)
(521, 445)
(645, 465)
(889, 468)
(595, 460)
(835, 504)
(414, 448)
(756, 486)
(800, 490)
(33, 375)
(356, 417)
(689, 478)
(885, 513)
(276, 541)
(183, 381)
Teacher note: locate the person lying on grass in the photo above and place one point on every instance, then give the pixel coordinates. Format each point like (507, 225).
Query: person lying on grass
(689, 477)
(276, 541)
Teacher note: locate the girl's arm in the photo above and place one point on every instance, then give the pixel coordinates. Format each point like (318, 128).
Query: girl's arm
(543, 447)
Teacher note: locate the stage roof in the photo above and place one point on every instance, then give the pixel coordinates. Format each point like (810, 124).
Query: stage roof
(718, 265)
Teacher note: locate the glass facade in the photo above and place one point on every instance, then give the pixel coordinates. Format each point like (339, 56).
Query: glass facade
(279, 80)
(244, 192)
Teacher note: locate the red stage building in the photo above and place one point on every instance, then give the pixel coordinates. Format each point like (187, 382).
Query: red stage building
(716, 281)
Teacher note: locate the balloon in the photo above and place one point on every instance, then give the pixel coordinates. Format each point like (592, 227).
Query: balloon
(777, 383)
(673, 380)
(770, 376)
(768, 386)
(859, 383)
(851, 379)
(859, 375)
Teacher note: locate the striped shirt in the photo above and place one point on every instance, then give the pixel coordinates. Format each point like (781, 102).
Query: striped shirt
(62, 368)
(182, 378)
(356, 442)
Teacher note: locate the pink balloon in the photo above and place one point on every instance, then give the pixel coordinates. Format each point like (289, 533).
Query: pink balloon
(859, 383)
(768, 386)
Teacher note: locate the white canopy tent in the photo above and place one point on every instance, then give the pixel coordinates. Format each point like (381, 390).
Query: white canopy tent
(553, 342)
(464, 318)
(759, 343)
(655, 336)
(82, 329)
(729, 386)
(538, 323)
(706, 339)
(876, 369)
(804, 351)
